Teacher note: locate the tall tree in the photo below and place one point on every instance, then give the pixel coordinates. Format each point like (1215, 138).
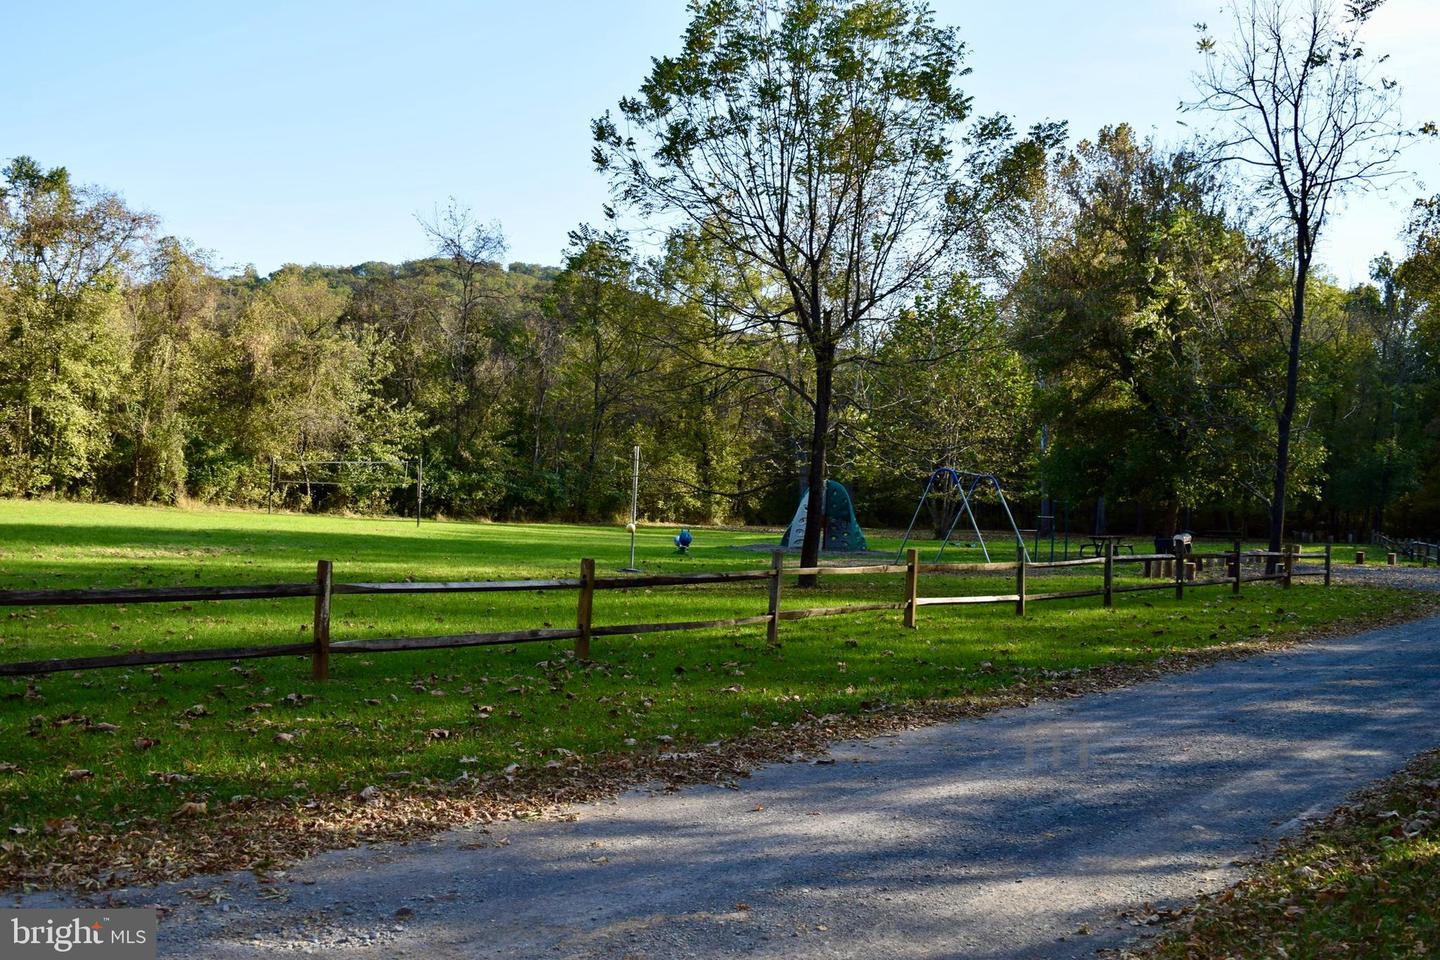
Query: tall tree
(811, 143)
(64, 250)
(468, 253)
(1307, 116)
(170, 310)
(1135, 318)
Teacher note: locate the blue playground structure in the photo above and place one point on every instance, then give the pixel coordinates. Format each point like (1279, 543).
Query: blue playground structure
(948, 482)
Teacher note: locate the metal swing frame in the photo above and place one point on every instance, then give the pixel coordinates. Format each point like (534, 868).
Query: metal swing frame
(965, 483)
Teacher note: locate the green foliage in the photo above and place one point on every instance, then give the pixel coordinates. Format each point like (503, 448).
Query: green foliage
(1144, 318)
(62, 251)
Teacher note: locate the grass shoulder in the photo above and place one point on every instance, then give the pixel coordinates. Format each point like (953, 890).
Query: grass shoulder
(1364, 882)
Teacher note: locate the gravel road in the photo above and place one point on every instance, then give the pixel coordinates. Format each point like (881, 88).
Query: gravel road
(1034, 833)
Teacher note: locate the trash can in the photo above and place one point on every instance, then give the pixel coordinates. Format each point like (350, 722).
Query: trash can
(1181, 543)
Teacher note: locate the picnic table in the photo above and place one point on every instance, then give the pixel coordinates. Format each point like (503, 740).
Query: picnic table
(1098, 542)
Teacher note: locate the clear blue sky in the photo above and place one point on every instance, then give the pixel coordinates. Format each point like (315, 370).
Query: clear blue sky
(314, 132)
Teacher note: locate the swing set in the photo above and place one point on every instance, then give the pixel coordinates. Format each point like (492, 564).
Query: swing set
(948, 482)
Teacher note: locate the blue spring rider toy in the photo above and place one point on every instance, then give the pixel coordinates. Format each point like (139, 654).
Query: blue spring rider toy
(683, 541)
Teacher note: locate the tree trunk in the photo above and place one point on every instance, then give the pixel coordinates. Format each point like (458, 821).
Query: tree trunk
(819, 444)
(1287, 412)
(1172, 519)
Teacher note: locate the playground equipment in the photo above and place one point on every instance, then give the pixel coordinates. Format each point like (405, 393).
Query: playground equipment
(634, 511)
(683, 541)
(842, 532)
(963, 484)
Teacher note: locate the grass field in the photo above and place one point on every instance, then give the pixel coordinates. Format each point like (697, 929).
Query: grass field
(110, 749)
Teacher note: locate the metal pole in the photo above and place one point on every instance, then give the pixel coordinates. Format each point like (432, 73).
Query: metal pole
(1013, 526)
(270, 497)
(915, 516)
(975, 524)
(419, 487)
(634, 507)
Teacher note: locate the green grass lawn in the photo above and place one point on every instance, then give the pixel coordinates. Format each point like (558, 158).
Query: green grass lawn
(107, 749)
(1362, 883)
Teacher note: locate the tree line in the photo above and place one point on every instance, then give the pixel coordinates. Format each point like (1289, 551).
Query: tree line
(860, 278)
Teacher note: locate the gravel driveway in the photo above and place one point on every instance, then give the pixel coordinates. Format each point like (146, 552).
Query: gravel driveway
(1037, 832)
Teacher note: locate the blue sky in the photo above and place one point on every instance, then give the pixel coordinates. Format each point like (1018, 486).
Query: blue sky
(316, 131)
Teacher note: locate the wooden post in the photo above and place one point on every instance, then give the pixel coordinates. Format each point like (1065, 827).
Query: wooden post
(1235, 587)
(1390, 559)
(1289, 565)
(772, 629)
(1359, 557)
(1020, 587)
(320, 631)
(1179, 570)
(584, 608)
(912, 585)
(1109, 597)
(1329, 562)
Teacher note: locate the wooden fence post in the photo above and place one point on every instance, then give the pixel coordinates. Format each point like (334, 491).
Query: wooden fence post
(912, 585)
(1109, 597)
(1179, 570)
(1235, 571)
(1329, 562)
(1020, 586)
(584, 608)
(1290, 550)
(772, 629)
(320, 630)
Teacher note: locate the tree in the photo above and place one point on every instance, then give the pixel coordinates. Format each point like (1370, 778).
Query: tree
(63, 254)
(607, 369)
(1305, 114)
(973, 409)
(169, 311)
(468, 253)
(1137, 318)
(810, 143)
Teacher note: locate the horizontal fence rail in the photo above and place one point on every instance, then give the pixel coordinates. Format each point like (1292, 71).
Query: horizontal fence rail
(1178, 570)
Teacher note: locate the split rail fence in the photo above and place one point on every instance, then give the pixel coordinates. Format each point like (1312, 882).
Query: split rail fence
(1180, 572)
